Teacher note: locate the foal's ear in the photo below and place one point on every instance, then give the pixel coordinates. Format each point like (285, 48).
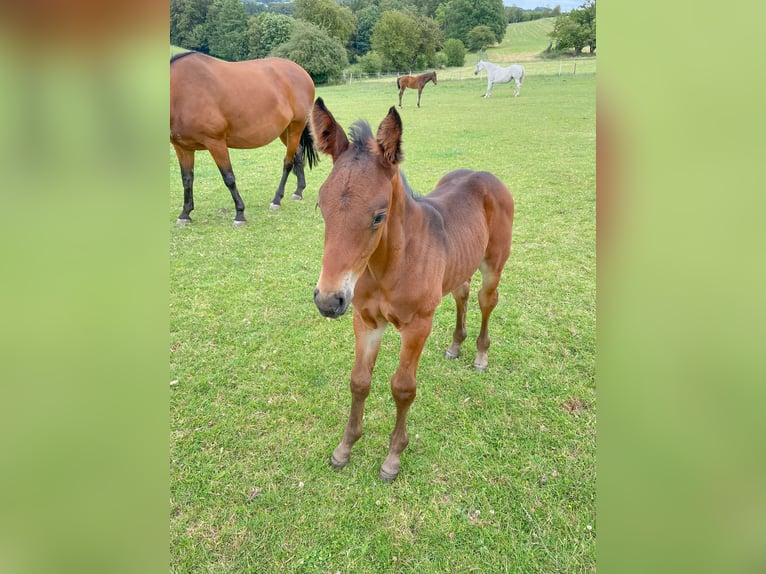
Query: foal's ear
(389, 137)
(329, 137)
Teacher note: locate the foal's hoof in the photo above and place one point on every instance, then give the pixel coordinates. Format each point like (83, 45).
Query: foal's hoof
(479, 366)
(387, 476)
(239, 222)
(296, 197)
(274, 206)
(181, 222)
(336, 464)
(449, 354)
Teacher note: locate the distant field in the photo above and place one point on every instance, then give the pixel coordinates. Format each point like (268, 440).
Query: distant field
(500, 472)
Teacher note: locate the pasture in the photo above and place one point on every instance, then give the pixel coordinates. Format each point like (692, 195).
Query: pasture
(499, 475)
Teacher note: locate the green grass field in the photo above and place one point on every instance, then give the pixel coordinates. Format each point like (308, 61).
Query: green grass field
(499, 475)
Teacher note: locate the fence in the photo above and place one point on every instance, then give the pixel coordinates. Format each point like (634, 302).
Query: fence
(563, 67)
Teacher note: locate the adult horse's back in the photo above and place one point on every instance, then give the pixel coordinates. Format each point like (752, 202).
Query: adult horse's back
(217, 105)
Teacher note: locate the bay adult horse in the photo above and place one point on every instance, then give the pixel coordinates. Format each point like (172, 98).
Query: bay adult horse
(396, 256)
(499, 75)
(414, 82)
(217, 105)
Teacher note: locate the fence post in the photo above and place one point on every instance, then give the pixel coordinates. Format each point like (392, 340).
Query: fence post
(574, 72)
(561, 62)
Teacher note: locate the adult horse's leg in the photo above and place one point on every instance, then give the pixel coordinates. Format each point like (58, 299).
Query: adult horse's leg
(518, 87)
(367, 347)
(298, 165)
(220, 153)
(489, 89)
(186, 163)
(458, 336)
(291, 137)
(420, 91)
(403, 388)
(401, 91)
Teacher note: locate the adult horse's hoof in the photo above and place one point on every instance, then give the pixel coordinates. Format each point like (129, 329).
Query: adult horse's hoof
(450, 354)
(387, 476)
(481, 367)
(296, 197)
(181, 222)
(239, 222)
(274, 206)
(336, 464)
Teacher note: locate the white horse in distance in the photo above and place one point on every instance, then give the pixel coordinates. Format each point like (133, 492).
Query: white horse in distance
(498, 74)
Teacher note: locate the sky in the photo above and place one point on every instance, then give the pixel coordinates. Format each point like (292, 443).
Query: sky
(566, 5)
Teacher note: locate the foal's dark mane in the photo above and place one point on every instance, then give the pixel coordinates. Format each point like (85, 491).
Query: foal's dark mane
(360, 134)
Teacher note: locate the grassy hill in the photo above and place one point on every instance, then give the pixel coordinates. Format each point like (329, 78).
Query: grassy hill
(523, 40)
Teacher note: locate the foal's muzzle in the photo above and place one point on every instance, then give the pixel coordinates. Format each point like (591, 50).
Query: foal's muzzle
(332, 305)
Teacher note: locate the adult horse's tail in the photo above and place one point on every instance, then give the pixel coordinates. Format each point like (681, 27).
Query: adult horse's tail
(309, 151)
(398, 86)
(521, 79)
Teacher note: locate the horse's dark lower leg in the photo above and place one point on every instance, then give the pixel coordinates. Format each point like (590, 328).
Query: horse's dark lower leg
(458, 336)
(277, 201)
(187, 179)
(186, 163)
(239, 205)
(299, 173)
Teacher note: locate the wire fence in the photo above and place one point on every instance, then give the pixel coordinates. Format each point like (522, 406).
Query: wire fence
(561, 67)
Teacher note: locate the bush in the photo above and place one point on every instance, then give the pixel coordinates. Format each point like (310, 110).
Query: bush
(455, 52)
(370, 63)
(481, 37)
(440, 60)
(321, 55)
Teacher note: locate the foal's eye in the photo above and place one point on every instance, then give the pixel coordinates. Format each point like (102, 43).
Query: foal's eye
(378, 218)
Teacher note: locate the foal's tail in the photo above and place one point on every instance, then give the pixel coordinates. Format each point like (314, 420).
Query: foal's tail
(309, 151)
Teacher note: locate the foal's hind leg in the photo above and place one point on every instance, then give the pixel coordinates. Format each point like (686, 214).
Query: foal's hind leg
(487, 302)
(186, 163)
(458, 336)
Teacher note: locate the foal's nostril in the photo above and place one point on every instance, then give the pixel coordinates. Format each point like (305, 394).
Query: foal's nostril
(340, 301)
(316, 292)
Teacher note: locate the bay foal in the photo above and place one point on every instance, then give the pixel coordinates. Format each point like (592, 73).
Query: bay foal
(396, 256)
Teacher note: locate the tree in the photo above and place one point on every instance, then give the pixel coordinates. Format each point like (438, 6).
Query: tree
(455, 51)
(188, 24)
(366, 18)
(338, 21)
(430, 40)
(267, 31)
(576, 29)
(480, 37)
(227, 30)
(395, 38)
(458, 17)
(321, 55)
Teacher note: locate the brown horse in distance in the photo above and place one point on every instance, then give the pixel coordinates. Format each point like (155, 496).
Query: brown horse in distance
(396, 255)
(217, 105)
(415, 83)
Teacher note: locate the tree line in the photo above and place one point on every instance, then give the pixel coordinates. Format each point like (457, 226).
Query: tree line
(324, 36)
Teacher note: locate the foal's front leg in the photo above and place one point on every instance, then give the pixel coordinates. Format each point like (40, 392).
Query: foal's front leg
(367, 347)
(403, 388)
